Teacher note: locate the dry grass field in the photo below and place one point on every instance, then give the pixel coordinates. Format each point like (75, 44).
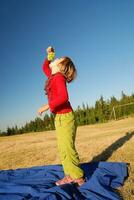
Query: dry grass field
(112, 141)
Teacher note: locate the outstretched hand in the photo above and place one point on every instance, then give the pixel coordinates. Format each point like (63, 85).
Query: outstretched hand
(43, 109)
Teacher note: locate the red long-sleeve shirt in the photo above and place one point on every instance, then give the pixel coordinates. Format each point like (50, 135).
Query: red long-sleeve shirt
(58, 98)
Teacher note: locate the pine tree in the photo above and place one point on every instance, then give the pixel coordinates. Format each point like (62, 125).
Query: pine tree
(83, 115)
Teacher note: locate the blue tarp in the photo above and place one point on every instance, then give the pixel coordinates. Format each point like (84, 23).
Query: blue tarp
(38, 183)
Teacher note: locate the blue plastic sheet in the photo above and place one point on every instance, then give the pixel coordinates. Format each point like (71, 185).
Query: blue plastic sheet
(38, 183)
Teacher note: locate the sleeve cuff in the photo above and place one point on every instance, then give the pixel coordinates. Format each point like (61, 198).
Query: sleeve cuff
(51, 107)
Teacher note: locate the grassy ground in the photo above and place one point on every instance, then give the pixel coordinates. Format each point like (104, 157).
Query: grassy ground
(112, 141)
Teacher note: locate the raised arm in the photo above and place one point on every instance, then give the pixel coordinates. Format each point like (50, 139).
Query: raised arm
(46, 69)
(50, 56)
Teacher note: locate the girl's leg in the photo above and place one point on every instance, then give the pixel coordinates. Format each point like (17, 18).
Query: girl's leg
(65, 125)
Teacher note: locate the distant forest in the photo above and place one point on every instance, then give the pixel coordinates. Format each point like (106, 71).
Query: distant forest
(101, 112)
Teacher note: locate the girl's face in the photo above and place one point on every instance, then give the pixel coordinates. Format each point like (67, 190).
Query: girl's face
(56, 62)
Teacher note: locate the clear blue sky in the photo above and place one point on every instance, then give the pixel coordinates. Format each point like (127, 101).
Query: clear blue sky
(97, 34)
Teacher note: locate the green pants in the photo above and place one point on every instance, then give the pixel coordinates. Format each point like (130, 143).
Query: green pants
(65, 125)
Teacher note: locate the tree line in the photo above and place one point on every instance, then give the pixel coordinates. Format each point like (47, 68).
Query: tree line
(84, 114)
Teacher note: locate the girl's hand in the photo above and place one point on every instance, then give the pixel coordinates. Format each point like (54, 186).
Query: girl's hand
(50, 53)
(43, 109)
(49, 49)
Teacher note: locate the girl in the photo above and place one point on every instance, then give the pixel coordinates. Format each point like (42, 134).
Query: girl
(60, 71)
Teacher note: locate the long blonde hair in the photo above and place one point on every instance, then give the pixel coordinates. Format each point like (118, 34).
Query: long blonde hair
(67, 68)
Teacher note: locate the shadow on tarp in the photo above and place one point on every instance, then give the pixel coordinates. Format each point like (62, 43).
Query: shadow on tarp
(38, 183)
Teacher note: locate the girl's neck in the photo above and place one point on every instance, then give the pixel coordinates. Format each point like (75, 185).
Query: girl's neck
(55, 69)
